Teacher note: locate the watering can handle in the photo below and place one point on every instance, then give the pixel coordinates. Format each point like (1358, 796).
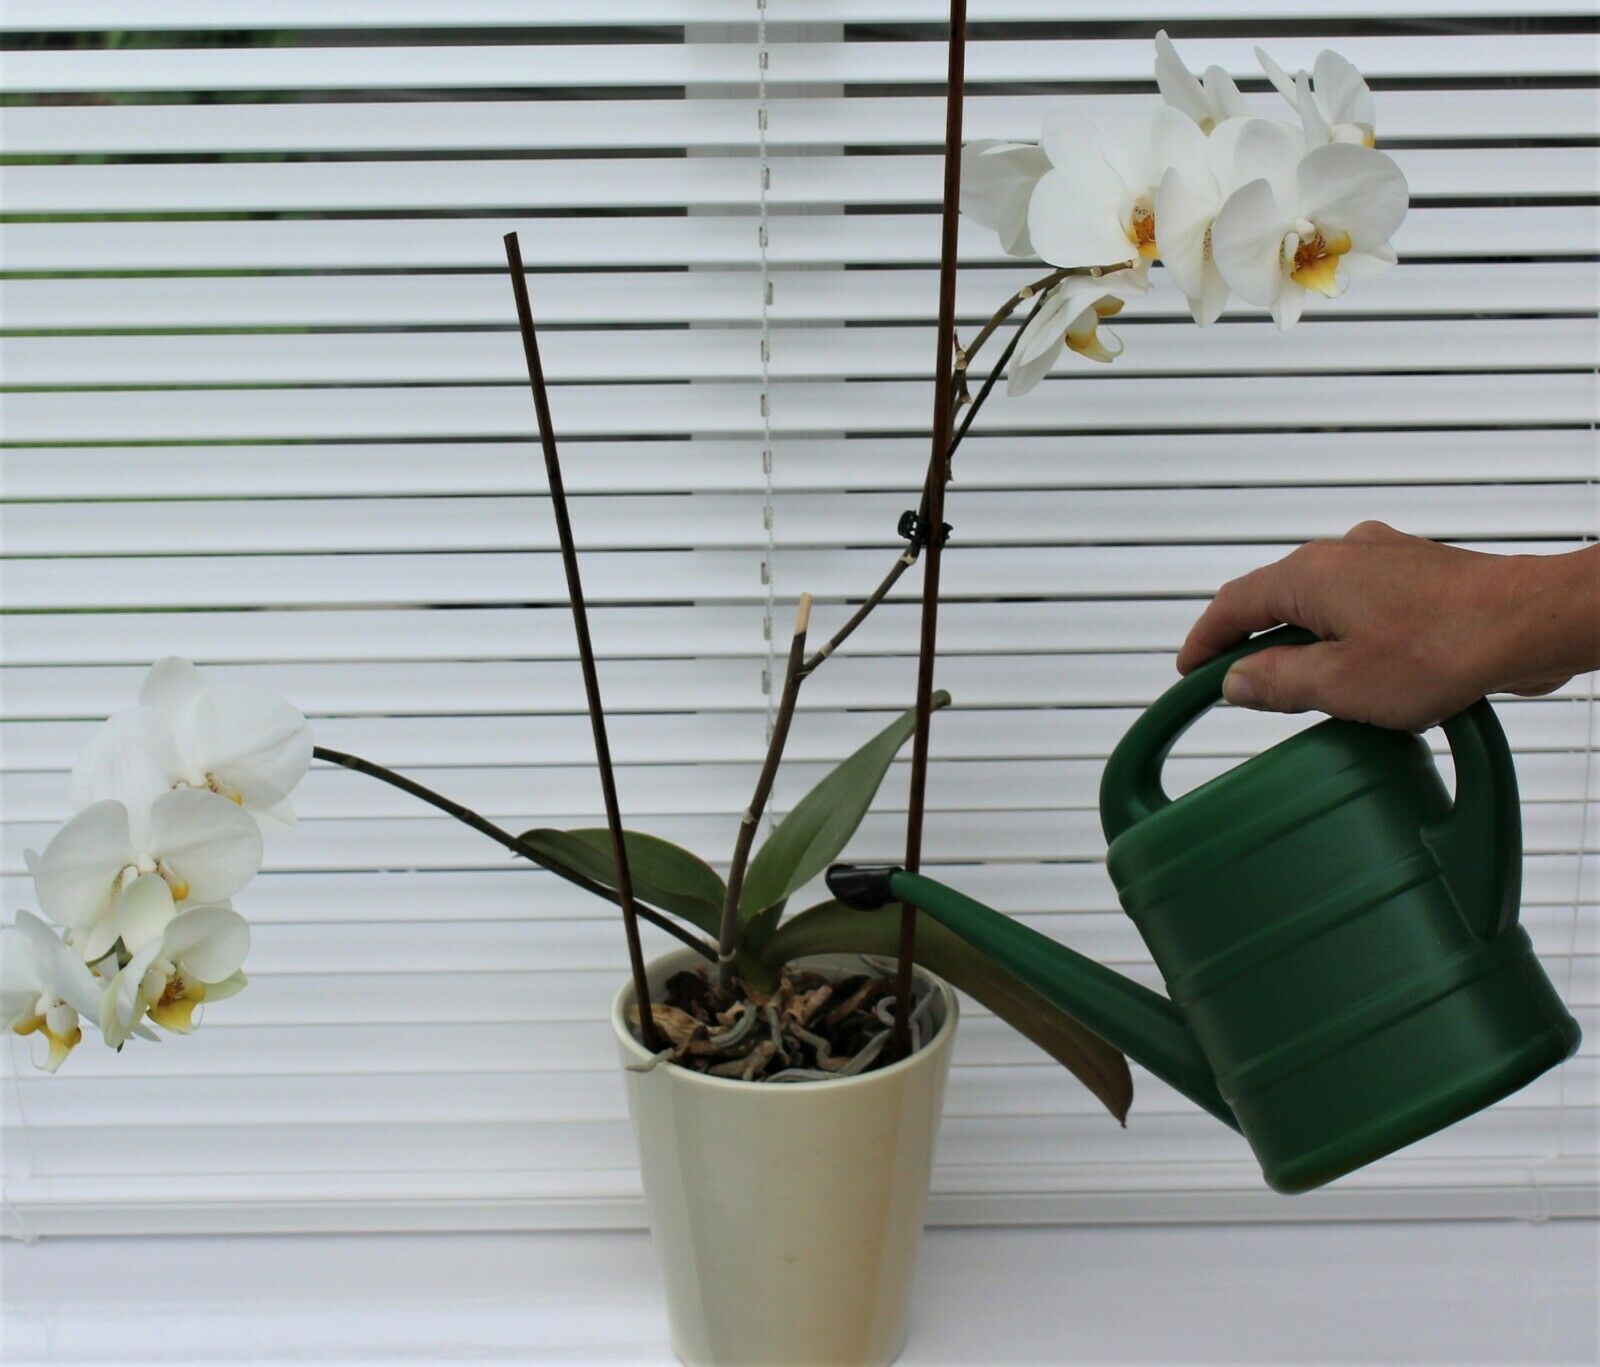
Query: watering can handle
(1478, 844)
(1130, 789)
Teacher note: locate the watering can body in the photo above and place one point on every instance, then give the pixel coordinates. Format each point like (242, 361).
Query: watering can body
(1337, 934)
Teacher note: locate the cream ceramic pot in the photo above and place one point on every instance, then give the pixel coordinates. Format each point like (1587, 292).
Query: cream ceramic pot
(786, 1216)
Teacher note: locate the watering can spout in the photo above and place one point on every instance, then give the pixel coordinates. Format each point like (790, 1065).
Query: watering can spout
(1143, 1024)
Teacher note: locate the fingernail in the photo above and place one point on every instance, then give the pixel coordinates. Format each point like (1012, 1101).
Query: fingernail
(1238, 690)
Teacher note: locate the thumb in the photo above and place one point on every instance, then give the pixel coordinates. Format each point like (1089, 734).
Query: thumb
(1285, 678)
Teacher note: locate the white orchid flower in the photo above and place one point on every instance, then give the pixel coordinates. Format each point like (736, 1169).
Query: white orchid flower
(1070, 317)
(1187, 205)
(1304, 220)
(1334, 102)
(1096, 205)
(179, 959)
(1209, 101)
(997, 182)
(44, 987)
(202, 845)
(238, 741)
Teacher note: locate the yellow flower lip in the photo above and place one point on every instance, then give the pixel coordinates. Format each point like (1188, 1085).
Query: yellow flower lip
(1316, 262)
(175, 1010)
(60, 1045)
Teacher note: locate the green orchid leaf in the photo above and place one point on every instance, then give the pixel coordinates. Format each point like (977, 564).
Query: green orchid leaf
(664, 875)
(822, 822)
(832, 928)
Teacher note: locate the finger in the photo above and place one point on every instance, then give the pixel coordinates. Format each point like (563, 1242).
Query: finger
(1263, 598)
(1380, 533)
(1287, 679)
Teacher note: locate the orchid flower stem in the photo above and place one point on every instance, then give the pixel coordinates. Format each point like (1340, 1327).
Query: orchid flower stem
(794, 676)
(988, 385)
(1035, 288)
(484, 826)
(908, 557)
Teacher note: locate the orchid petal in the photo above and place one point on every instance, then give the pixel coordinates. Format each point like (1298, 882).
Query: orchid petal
(59, 971)
(1281, 79)
(230, 986)
(1184, 214)
(1072, 228)
(208, 943)
(1342, 92)
(1221, 162)
(1223, 96)
(75, 875)
(1174, 141)
(1038, 348)
(19, 979)
(1311, 120)
(122, 1002)
(171, 688)
(207, 842)
(1360, 265)
(1246, 240)
(1355, 190)
(997, 181)
(98, 940)
(1177, 83)
(252, 741)
(1268, 150)
(123, 761)
(1287, 307)
(1044, 328)
(144, 908)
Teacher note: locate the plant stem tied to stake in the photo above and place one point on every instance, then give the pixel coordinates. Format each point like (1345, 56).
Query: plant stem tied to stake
(649, 1033)
(793, 677)
(938, 473)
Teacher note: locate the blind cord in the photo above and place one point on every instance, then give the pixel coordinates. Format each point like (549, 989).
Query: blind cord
(764, 173)
(769, 574)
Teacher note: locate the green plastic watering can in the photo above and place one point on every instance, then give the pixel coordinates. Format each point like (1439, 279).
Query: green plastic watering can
(1338, 937)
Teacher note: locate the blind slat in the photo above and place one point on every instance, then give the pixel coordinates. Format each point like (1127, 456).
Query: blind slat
(702, 520)
(67, 15)
(673, 64)
(538, 793)
(1182, 460)
(472, 577)
(797, 353)
(485, 125)
(1479, 173)
(1043, 733)
(1562, 230)
(722, 407)
(642, 298)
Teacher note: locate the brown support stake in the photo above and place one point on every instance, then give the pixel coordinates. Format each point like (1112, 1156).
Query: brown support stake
(938, 473)
(649, 1033)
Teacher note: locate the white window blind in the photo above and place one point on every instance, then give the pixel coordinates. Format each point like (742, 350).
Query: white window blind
(266, 410)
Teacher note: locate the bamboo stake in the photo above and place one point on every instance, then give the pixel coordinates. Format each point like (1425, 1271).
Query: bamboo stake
(938, 473)
(650, 1034)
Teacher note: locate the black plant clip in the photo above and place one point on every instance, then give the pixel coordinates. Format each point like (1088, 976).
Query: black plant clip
(914, 527)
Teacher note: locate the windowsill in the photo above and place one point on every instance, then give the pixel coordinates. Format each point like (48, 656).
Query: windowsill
(1437, 1292)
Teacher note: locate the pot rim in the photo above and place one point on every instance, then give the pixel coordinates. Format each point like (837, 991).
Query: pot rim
(926, 1054)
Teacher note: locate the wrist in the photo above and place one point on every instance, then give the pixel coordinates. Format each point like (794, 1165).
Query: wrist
(1553, 617)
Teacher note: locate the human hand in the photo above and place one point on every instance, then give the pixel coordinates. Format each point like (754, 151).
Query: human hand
(1412, 631)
